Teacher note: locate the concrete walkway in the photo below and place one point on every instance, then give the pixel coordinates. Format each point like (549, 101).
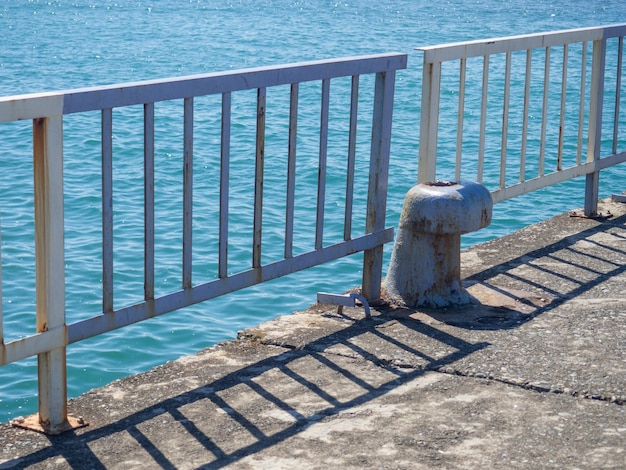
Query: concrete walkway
(534, 377)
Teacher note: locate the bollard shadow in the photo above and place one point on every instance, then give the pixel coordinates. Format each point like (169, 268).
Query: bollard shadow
(515, 291)
(253, 408)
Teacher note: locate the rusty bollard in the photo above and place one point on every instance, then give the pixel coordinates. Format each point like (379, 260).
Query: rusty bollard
(425, 267)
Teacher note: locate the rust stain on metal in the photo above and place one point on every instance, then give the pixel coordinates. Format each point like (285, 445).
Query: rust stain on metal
(485, 217)
(151, 309)
(441, 183)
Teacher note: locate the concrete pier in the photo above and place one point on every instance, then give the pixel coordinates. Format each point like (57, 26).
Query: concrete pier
(533, 377)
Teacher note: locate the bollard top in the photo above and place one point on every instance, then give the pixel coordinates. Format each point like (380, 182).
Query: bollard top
(447, 207)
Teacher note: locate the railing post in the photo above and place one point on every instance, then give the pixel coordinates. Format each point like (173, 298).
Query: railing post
(595, 125)
(378, 181)
(429, 121)
(50, 268)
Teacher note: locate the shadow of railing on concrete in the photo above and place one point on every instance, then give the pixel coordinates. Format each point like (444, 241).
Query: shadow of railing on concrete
(282, 396)
(551, 275)
(257, 406)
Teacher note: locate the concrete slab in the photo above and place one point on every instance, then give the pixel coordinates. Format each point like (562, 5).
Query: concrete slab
(533, 377)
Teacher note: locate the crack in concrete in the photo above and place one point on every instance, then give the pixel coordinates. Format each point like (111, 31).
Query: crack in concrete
(534, 386)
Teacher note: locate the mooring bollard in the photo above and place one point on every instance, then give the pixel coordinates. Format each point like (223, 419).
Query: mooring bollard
(425, 267)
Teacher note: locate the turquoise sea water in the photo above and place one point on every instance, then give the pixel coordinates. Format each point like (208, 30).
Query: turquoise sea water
(52, 45)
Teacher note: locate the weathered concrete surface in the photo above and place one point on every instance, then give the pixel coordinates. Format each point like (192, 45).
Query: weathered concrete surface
(535, 377)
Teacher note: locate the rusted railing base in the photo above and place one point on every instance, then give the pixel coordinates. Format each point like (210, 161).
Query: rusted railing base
(32, 423)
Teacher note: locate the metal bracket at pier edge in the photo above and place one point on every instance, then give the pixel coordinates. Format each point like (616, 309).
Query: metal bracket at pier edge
(344, 300)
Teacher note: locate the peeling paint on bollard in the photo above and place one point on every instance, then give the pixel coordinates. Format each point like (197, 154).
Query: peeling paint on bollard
(425, 267)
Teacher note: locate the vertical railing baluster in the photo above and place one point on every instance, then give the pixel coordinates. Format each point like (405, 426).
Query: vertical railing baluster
(618, 88)
(107, 210)
(581, 104)
(321, 180)
(50, 267)
(291, 169)
(187, 191)
(595, 125)
(148, 149)
(460, 119)
(429, 121)
(258, 178)
(559, 161)
(354, 114)
(483, 120)
(522, 163)
(544, 112)
(378, 181)
(505, 120)
(224, 185)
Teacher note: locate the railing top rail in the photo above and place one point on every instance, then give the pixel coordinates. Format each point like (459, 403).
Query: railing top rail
(31, 106)
(481, 47)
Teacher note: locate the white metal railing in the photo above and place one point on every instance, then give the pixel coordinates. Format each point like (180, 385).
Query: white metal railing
(561, 112)
(46, 110)
(550, 137)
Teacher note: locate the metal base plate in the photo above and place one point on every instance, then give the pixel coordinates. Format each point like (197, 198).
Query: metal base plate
(599, 216)
(32, 423)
